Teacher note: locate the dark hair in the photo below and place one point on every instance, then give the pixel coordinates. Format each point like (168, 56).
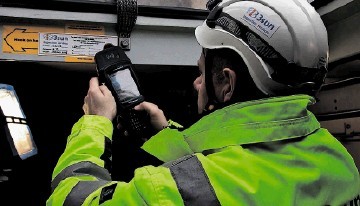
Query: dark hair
(245, 88)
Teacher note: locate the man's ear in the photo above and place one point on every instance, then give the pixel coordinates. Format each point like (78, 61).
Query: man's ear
(229, 84)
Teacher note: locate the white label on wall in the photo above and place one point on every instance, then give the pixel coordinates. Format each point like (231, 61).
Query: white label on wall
(72, 44)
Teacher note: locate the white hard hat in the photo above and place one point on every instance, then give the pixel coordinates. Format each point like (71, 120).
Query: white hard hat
(283, 42)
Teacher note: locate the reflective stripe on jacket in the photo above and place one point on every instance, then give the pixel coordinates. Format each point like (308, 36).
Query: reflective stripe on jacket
(264, 152)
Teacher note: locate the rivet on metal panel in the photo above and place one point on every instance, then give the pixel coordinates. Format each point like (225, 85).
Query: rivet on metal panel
(347, 128)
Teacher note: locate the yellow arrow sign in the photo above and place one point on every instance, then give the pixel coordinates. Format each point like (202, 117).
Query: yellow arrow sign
(23, 39)
(19, 40)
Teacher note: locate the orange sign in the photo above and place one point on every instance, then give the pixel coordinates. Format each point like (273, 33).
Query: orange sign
(82, 59)
(23, 39)
(19, 40)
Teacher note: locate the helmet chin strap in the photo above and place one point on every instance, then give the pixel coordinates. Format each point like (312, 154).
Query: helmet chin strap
(240, 94)
(213, 103)
(210, 107)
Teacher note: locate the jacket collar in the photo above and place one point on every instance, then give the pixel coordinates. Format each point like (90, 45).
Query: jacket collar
(249, 122)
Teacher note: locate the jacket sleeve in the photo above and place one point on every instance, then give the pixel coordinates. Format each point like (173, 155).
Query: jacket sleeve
(81, 175)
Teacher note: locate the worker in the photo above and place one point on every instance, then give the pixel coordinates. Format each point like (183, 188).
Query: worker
(261, 66)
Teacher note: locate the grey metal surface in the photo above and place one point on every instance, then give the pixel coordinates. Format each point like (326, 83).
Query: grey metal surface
(155, 41)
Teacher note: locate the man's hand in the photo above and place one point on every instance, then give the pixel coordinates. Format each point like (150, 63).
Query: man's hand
(157, 117)
(99, 100)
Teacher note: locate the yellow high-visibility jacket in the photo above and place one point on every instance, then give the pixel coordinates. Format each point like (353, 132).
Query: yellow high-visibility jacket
(264, 152)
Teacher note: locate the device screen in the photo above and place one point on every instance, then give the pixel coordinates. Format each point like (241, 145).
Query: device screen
(124, 85)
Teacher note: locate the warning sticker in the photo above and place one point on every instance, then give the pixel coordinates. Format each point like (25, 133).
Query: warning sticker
(23, 39)
(72, 44)
(77, 43)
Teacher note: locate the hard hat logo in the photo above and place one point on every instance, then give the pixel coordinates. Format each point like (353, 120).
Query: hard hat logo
(260, 21)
